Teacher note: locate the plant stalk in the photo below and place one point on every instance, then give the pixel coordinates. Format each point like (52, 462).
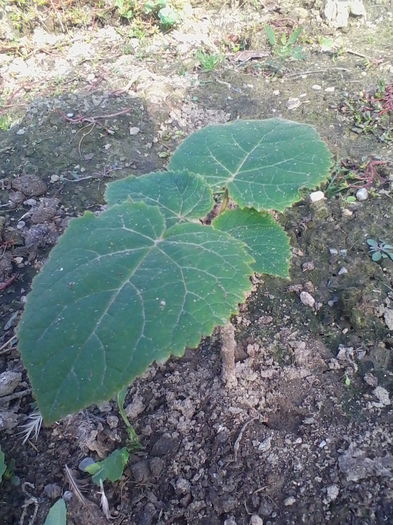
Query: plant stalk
(228, 348)
(133, 441)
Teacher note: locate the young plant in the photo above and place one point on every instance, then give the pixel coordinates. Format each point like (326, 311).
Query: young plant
(207, 61)
(284, 46)
(380, 250)
(147, 278)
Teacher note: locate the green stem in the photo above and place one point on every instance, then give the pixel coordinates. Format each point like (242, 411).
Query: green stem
(134, 443)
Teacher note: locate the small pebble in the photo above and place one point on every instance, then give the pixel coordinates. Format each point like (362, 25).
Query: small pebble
(316, 87)
(347, 213)
(9, 380)
(333, 251)
(316, 196)
(382, 394)
(256, 520)
(307, 299)
(54, 178)
(362, 194)
(330, 89)
(21, 131)
(332, 492)
(276, 92)
(52, 491)
(265, 445)
(134, 131)
(342, 271)
(343, 252)
(86, 462)
(308, 266)
(293, 103)
(289, 501)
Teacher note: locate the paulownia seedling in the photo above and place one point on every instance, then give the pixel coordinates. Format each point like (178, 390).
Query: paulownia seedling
(148, 277)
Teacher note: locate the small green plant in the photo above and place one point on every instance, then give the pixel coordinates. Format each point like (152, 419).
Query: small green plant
(150, 276)
(380, 250)
(5, 122)
(208, 61)
(125, 8)
(109, 469)
(284, 46)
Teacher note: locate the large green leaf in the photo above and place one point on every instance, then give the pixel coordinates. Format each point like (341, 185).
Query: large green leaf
(262, 163)
(57, 514)
(111, 468)
(266, 240)
(119, 291)
(180, 196)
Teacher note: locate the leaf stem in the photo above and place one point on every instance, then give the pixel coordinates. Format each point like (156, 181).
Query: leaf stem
(133, 441)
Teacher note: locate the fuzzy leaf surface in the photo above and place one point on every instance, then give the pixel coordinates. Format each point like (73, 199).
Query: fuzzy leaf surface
(266, 240)
(111, 468)
(262, 163)
(118, 292)
(180, 196)
(57, 514)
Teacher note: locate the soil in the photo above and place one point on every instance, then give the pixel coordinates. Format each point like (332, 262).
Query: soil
(306, 436)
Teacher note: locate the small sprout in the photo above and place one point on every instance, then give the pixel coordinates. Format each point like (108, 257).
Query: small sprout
(379, 250)
(347, 380)
(111, 468)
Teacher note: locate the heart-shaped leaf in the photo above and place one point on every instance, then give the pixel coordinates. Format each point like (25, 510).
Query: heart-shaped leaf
(262, 163)
(119, 291)
(266, 240)
(180, 196)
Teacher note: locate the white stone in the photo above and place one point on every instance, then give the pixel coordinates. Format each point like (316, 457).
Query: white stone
(382, 395)
(307, 299)
(256, 520)
(332, 492)
(54, 178)
(342, 271)
(289, 501)
(293, 103)
(388, 317)
(316, 87)
(330, 89)
(134, 131)
(316, 196)
(362, 194)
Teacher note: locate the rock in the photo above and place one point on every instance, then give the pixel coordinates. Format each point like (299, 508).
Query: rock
(388, 317)
(52, 491)
(134, 131)
(146, 515)
(265, 445)
(8, 382)
(330, 89)
(288, 502)
(45, 211)
(156, 466)
(356, 465)
(86, 462)
(230, 521)
(316, 196)
(362, 194)
(316, 87)
(382, 395)
(342, 271)
(140, 471)
(8, 420)
(164, 445)
(332, 492)
(112, 421)
(307, 299)
(256, 520)
(30, 185)
(308, 266)
(337, 11)
(135, 408)
(182, 486)
(41, 235)
(293, 103)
